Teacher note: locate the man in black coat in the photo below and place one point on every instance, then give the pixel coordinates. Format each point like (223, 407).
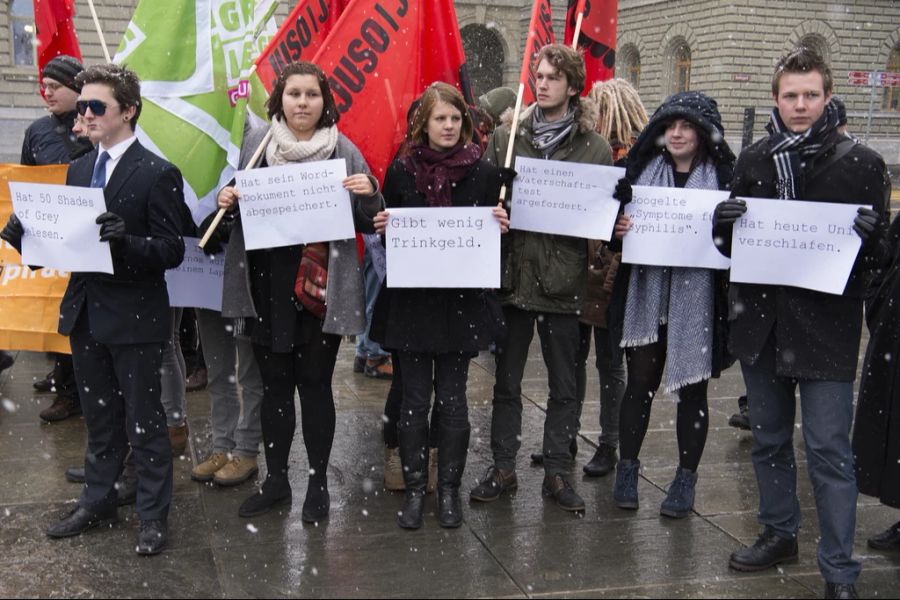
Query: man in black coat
(51, 141)
(119, 323)
(787, 337)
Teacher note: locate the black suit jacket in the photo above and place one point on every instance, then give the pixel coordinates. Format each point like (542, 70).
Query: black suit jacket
(132, 305)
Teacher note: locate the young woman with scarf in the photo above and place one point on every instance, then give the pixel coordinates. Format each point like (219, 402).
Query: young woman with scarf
(663, 315)
(295, 346)
(436, 332)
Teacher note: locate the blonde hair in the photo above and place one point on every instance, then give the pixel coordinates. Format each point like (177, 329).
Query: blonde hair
(622, 115)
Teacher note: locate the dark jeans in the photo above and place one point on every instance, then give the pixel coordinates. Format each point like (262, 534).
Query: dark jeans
(308, 369)
(827, 414)
(447, 374)
(559, 337)
(191, 346)
(64, 376)
(393, 407)
(645, 370)
(612, 381)
(120, 399)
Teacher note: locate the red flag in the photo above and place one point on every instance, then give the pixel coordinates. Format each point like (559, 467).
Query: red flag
(380, 57)
(597, 39)
(299, 38)
(540, 33)
(55, 31)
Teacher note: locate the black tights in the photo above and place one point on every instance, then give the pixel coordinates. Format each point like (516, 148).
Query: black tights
(645, 369)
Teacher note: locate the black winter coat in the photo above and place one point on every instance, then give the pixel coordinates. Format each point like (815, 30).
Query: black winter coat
(436, 320)
(816, 334)
(50, 141)
(876, 433)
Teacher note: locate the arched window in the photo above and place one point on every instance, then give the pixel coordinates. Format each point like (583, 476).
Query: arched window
(891, 94)
(484, 57)
(21, 24)
(630, 61)
(817, 43)
(680, 61)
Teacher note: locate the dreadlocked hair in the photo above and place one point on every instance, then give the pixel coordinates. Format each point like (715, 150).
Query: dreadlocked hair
(622, 115)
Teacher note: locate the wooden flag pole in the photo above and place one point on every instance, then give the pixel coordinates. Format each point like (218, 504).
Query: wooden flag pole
(514, 127)
(99, 31)
(222, 211)
(578, 21)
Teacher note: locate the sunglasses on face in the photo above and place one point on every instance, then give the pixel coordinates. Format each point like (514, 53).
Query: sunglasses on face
(98, 107)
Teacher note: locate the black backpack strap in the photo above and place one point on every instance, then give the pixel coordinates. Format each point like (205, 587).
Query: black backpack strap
(841, 149)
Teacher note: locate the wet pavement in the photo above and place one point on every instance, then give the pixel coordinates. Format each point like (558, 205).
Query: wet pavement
(519, 546)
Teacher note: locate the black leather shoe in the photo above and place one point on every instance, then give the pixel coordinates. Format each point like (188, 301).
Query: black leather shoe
(888, 541)
(449, 507)
(75, 474)
(741, 419)
(493, 484)
(410, 515)
(126, 486)
(44, 385)
(270, 495)
(556, 487)
(80, 520)
(840, 590)
(317, 502)
(603, 462)
(152, 538)
(769, 550)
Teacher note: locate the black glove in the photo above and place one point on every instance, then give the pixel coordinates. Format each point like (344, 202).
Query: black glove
(507, 175)
(867, 224)
(112, 227)
(216, 242)
(728, 212)
(624, 194)
(13, 231)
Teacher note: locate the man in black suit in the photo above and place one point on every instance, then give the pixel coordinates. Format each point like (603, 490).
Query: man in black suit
(119, 323)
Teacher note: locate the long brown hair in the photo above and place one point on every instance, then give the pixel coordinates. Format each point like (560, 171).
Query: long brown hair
(439, 92)
(330, 114)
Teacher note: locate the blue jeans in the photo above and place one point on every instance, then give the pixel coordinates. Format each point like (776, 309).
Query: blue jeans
(365, 347)
(827, 415)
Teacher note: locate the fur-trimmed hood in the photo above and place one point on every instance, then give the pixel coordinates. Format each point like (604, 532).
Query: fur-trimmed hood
(587, 115)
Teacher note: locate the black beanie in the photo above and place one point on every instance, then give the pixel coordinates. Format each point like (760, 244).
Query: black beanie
(64, 69)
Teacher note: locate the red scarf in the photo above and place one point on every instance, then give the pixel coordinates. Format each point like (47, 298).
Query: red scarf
(435, 171)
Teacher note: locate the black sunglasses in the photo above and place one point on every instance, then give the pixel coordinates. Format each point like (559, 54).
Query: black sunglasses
(98, 107)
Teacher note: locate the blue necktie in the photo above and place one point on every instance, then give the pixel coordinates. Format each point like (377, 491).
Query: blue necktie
(99, 178)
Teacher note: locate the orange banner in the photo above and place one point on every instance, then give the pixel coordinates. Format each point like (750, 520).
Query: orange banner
(29, 300)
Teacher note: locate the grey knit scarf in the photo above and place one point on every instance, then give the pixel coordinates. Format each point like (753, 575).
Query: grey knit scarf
(548, 136)
(681, 298)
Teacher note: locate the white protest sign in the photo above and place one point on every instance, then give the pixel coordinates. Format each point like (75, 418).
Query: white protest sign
(197, 281)
(443, 248)
(299, 203)
(60, 227)
(809, 245)
(565, 198)
(672, 227)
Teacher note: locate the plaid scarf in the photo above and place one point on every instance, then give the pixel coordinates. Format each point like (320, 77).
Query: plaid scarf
(790, 150)
(549, 136)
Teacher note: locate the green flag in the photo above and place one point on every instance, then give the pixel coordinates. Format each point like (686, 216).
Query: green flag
(194, 58)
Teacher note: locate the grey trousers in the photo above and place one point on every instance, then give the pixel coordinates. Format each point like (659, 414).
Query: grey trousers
(229, 361)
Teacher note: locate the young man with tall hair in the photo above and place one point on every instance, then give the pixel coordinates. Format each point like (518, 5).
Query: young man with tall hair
(119, 323)
(544, 280)
(787, 337)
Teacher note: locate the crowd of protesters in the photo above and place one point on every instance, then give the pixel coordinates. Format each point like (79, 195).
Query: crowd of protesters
(286, 309)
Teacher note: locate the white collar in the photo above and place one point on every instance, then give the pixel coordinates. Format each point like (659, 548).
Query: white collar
(118, 150)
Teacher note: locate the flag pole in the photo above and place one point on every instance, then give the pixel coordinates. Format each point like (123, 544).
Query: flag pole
(99, 31)
(579, 20)
(513, 128)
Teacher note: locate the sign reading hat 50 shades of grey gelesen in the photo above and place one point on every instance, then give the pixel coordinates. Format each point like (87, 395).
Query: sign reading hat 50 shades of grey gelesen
(299, 203)
(565, 198)
(61, 229)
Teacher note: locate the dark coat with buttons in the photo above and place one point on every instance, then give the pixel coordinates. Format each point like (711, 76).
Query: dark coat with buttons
(816, 334)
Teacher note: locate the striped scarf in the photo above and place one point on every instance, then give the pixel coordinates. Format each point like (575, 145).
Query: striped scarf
(790, 150)
(548, 136)
(679, 297)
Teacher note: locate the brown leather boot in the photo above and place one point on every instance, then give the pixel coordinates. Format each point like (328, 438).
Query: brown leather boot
(178, 438)
(63, 407)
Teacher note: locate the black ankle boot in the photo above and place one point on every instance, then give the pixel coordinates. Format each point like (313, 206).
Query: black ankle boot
(272, 493)
(318, 501)
(414, 457)
(452, 453)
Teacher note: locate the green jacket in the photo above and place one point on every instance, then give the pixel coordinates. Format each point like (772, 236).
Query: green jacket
(543, 272)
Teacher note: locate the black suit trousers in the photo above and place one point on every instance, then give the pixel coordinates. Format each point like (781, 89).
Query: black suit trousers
(119, 385)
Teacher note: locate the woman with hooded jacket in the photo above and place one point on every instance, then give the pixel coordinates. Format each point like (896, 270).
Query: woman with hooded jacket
(294, 344)
(671, 315)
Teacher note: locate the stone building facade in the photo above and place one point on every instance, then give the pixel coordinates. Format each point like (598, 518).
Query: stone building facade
(726, 48)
